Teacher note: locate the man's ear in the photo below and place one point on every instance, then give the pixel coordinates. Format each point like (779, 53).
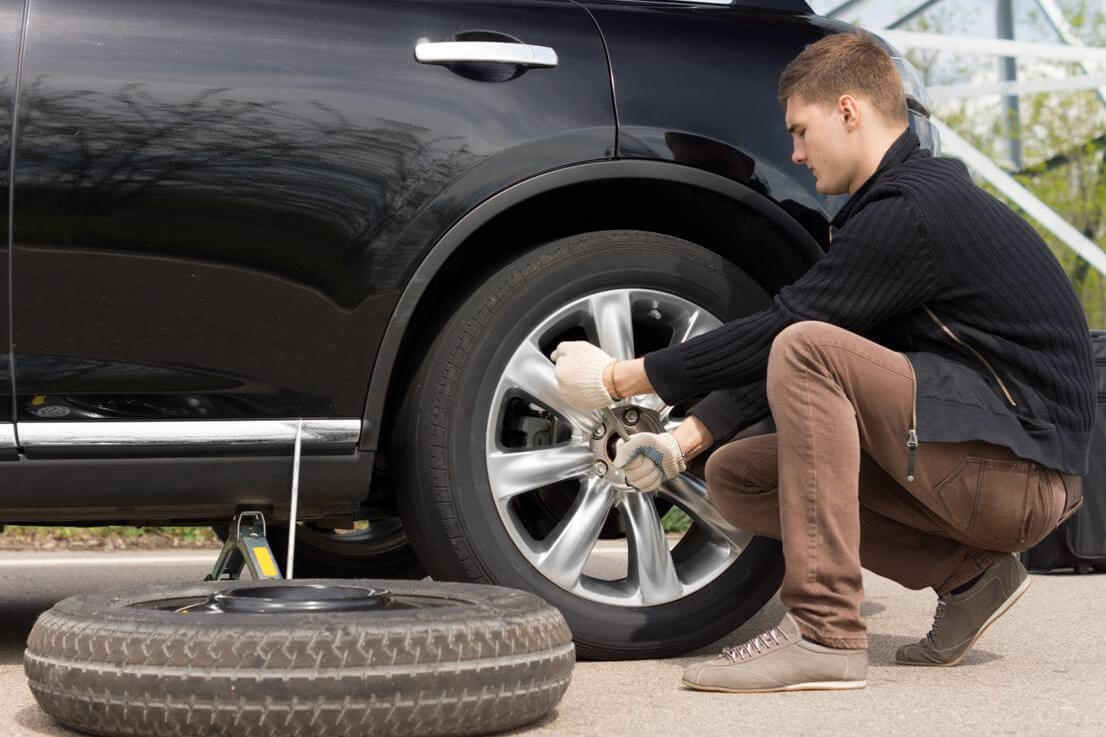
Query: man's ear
(849, 112)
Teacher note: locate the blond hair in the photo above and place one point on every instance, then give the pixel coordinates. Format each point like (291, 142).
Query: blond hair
(846, 63)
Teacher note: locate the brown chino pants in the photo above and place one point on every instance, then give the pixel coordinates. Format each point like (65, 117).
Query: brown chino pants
(831, 484)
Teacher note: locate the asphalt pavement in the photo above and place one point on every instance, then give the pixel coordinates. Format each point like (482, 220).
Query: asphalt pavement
(1039, 670)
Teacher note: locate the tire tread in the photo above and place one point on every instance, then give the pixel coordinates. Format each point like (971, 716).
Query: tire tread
(505, 662)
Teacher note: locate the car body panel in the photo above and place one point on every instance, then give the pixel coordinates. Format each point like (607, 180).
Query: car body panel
(226, 214)
(803, 248)
(721, 113)
(676, 108)
(218, 203)
(11, 25)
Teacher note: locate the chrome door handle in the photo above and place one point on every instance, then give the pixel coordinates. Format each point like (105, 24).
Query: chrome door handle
(449, 52)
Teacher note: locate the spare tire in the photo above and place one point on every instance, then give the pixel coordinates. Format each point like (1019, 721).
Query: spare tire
(301, 657)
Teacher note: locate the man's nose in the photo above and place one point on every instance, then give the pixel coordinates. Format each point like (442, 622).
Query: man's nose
(797, 156)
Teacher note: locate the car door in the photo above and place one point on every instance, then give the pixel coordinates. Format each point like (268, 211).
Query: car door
(11, 24)
(218, 202)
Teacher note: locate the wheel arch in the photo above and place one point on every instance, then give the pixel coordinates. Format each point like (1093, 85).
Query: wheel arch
(714, 211)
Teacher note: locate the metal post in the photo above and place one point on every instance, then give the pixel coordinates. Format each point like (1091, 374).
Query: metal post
(1008, 72)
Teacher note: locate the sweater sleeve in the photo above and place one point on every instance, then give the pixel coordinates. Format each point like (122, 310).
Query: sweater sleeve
(880, 266)
(726, 412)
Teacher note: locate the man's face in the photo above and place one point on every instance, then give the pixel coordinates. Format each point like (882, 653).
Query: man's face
(819, 134)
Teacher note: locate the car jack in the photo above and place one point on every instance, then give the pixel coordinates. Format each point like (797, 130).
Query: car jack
(246, 546)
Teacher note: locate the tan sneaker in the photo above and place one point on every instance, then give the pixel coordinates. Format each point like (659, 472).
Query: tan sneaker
(962, 618)
(780, 660)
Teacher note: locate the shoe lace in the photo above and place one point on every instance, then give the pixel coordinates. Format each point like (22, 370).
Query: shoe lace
(758, 644)
(938, 616)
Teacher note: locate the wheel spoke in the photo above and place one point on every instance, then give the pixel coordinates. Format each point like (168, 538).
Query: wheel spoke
(655, 403)
(614, 323)
(651, 560)
(691, 494)
(694, 324)
(570, 542)
(533, 373)
(512, 473)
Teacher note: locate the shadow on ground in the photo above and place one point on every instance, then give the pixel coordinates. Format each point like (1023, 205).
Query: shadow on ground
(16, 620)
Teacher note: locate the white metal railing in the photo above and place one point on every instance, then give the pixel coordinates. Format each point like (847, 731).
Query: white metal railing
(1042, 213)
(1071, 49)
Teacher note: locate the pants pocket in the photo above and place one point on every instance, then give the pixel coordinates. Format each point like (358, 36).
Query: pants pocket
(1051, 497)
(994, 503)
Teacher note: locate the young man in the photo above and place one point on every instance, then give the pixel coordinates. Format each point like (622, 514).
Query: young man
(930, 379)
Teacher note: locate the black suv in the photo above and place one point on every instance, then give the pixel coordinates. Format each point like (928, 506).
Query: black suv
(379, 217)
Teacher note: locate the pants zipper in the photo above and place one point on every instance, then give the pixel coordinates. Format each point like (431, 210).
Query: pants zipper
(978, 355)
(912, 433)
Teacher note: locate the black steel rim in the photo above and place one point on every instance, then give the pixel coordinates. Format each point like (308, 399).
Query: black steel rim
(283, 598)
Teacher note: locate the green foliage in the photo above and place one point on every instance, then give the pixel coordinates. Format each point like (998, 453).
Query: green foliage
(675, 520)
(1062, 135)
(106, 536)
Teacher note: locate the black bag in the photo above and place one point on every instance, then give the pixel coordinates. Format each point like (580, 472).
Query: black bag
(1080, 542)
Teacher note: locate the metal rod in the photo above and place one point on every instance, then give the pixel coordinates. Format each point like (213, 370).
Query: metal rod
(910, 15)
(288, 572)
(996, 46)
(1059, 23)
(1019, 87)
(989, 170)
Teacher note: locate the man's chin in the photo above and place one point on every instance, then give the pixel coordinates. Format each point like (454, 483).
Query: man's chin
(828, 188)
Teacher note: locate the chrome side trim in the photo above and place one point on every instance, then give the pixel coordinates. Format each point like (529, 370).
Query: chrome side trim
(197, 433)
(7, 435)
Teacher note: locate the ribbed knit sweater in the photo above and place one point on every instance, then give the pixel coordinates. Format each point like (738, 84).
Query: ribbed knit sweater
(920, 232)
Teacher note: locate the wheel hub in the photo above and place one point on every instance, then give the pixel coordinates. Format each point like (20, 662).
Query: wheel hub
(604, 440)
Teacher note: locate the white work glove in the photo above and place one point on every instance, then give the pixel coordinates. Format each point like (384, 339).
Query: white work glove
(649, 459)
(579, 368)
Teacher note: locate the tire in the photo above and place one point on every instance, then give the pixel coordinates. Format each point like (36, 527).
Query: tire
(446, 433)
(469, 660)
(327, 553)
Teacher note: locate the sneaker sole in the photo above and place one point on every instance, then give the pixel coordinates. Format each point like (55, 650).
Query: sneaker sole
(812, 686)
(997, 613)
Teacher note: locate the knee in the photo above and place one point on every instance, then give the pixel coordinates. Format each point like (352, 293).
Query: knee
(795, 343)
(799, 338)
(713, 471)
(728, 477)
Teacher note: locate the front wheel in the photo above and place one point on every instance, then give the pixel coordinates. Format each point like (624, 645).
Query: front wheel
(502, 482)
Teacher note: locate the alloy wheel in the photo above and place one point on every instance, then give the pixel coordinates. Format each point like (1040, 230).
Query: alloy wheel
(551, 472)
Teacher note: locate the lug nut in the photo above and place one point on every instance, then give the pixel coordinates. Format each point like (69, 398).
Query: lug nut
(599, 431)
(601, 468)
(630, 417)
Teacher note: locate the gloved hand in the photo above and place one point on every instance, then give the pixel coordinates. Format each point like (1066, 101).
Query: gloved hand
(580, 367)
(649, 458)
